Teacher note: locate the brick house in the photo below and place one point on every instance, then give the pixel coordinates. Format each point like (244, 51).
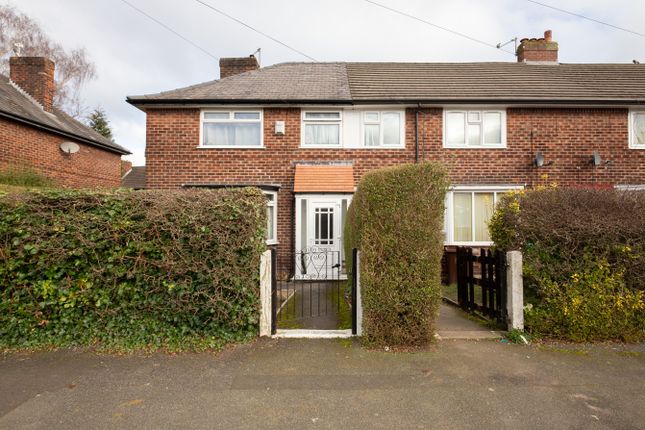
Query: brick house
(305, 133)
(34, 133)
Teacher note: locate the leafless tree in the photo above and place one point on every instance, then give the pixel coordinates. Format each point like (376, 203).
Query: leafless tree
(73, 67)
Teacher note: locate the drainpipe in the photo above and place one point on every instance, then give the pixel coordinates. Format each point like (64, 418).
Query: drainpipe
(416, 135)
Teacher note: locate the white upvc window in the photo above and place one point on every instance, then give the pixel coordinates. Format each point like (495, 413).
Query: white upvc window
(383, 129)
(467, 128)
(468, 212)
(272, 217)
(637, 129)
(321, 129)
(231, 129)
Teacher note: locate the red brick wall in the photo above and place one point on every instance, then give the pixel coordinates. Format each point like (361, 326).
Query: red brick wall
(566, 136)
(90, 167)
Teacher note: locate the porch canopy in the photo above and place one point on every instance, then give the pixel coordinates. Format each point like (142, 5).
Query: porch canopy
(318, 178)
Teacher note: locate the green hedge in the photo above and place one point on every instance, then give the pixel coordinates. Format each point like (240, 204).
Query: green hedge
(584, 260)
(396, 221)
(173, 269)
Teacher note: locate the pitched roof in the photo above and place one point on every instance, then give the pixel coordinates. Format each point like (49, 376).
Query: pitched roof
(323, 179)
(135, 178)
(418, 82)
(17, 105)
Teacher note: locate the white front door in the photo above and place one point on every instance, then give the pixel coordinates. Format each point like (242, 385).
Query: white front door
(319, 227)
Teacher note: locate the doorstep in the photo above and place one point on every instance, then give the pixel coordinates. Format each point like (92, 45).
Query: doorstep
(313, 334)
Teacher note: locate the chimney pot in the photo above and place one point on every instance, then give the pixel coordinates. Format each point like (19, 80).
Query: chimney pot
(35, 76)
(543, 50)
(236, 65)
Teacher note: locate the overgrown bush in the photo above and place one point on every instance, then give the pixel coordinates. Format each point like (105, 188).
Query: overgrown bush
(396, 221)
(175, 269)
(23, 175)
(584, 260)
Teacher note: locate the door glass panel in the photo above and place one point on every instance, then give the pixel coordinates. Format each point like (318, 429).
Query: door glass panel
(324, 226)
(303, 224)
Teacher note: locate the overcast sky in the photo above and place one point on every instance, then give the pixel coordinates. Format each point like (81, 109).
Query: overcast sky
(134, 55)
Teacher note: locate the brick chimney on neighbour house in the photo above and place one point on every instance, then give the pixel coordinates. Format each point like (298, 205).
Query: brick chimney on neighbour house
(542, 50)
(235, 66)
(35, 76)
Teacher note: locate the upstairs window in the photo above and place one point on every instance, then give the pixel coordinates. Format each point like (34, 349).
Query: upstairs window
(474, 129)
(321, 129)
(384, 129)
(232, 129)
(637, 135)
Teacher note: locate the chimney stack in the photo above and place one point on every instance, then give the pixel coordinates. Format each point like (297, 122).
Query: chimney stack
(35, 76)
(235, 66)
(542, 50)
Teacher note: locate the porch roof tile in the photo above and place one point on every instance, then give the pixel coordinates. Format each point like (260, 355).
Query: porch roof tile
(323, 179)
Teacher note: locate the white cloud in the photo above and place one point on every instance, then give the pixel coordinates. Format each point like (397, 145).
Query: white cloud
(136, 56)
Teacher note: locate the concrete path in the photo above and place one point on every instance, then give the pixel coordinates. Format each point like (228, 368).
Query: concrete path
(328, 384)
(454, 324)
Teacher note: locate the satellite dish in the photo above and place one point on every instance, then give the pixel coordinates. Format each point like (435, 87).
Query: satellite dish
(69, 147)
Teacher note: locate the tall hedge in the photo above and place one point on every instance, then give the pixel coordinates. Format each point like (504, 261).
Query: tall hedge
(396, 221)
(130, 269)
(584, 260)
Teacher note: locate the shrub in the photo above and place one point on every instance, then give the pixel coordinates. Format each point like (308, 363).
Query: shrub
(23, 175)
(173, 269)
(396, 220)
(584, 260)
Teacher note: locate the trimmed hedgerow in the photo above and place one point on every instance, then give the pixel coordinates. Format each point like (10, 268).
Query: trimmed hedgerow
(151, 269)
(584, 260)
(396, 220)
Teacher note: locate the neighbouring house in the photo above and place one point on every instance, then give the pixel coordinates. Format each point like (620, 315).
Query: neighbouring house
(36, 134)
(305, 133)
(134, 177)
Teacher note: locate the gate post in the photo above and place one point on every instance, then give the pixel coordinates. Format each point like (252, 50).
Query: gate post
(515, 290)
(266, 267)
(357, 307)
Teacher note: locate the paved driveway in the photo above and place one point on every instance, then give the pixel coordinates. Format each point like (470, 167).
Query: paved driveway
(327, 384)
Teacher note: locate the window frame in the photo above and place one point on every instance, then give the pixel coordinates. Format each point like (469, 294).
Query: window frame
(364, 122)
(304, 122)
(482, 111)
(449, 226)
(231, 118)
(632, 130)
(274, 204)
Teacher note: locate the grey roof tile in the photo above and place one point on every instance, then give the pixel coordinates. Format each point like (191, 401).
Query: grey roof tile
(416, 82)
(18, 105)
(135, 178)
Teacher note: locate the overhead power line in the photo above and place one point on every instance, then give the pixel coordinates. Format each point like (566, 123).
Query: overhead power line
(176, 33)
(416, 18)
(587, 18)
(255, 29)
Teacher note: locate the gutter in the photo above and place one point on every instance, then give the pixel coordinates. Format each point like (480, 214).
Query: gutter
(436, 102)
(60, 132)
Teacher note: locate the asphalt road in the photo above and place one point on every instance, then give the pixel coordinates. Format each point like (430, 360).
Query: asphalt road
(328, 384)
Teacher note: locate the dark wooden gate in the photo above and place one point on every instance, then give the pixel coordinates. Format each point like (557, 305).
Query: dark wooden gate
(481, 282)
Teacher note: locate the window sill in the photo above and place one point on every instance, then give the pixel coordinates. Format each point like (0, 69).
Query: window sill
(637, 147)
(472, 244)
(230, 147)
(321, 147)
(474, 146)
(272, 242)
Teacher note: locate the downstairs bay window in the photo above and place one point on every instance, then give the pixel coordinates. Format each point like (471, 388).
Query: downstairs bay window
(468, 212)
